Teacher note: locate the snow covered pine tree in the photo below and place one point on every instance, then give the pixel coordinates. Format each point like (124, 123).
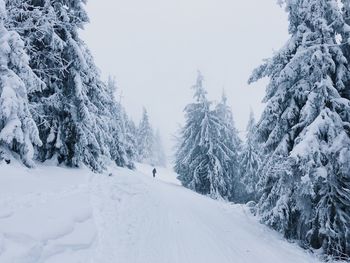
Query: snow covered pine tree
(159, 157)
(305, 130)
(229, 155)
(204, 155)
(18, 131)
(250, 161)
(130, 139)
(117, 135)
(145, 139)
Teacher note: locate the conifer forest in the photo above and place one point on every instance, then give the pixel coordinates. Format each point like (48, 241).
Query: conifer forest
(84, 177)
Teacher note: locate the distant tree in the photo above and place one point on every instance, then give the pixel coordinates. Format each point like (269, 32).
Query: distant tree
(250, 161)
(204, 155)
(159, 156)
(145, 139)
(130, 140)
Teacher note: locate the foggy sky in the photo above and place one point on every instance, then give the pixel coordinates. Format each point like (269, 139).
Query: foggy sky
(155, 47)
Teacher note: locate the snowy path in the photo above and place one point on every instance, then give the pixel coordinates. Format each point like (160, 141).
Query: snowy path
(63, 215)
(156, 220)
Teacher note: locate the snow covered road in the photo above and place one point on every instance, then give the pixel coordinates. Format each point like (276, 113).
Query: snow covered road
(156, 220)
(127, 218)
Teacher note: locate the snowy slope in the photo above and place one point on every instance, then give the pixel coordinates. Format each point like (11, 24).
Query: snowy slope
(45, 215)
(55, 214)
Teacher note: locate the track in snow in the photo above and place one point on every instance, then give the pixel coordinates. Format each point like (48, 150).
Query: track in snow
(45, 215)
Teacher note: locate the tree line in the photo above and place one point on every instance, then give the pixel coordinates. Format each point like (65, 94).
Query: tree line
(53, 103)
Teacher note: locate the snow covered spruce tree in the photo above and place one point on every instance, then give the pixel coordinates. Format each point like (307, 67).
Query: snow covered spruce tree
(305, 130)
(74, 112)
(149, 144)
(230, 157)
(204, 155)
(145, 139)
(18, 131)
(250, 161)
(130, 140)
(117, 128)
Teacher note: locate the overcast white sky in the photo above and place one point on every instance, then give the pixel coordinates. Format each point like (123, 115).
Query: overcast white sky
(155, 47)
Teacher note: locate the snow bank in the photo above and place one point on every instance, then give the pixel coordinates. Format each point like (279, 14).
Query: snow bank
(45, 215)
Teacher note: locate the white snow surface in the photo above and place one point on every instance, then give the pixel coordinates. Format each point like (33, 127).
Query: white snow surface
(55, 215)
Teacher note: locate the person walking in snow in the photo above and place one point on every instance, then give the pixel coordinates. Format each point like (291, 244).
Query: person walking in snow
(154, 172)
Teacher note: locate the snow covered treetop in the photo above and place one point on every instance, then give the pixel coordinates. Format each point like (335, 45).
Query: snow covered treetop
(199, 91)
